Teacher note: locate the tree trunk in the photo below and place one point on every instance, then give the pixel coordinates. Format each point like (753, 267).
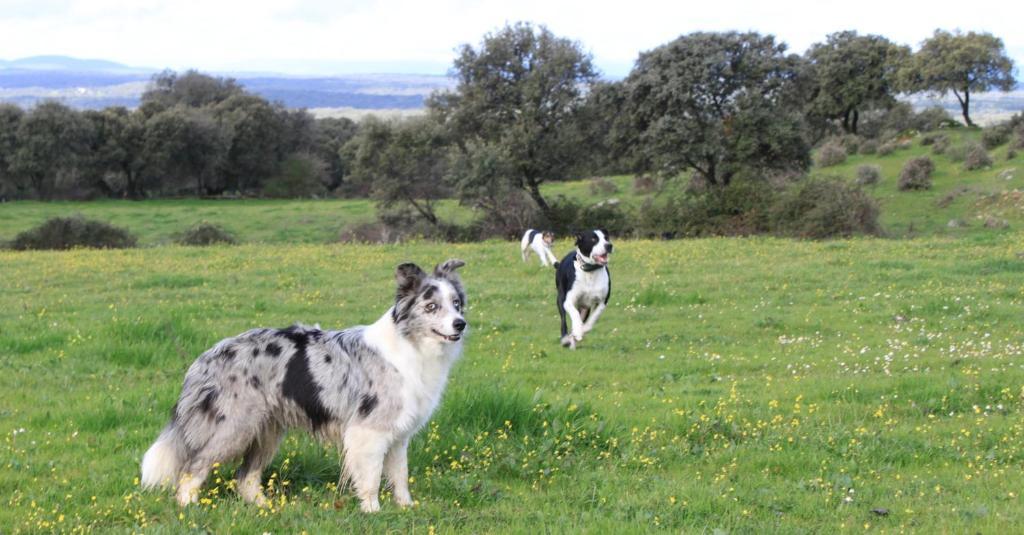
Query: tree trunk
(533, 188)
(846, 121)
(853, 124)
(965, 104)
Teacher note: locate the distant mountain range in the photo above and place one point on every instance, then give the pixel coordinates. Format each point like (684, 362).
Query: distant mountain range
(95, 83)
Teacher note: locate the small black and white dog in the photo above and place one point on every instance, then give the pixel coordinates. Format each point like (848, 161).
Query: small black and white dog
(540, 242)
(367, 389)
(584, 284)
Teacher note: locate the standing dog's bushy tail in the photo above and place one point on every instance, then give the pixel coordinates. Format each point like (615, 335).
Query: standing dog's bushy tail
(162, 462)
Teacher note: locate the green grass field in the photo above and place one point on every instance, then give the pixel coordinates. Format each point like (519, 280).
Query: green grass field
(734, 385)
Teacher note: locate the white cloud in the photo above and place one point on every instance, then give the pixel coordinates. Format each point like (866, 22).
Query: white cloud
(326, 36)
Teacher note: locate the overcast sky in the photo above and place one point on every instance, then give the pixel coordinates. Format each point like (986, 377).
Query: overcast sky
(344, 36)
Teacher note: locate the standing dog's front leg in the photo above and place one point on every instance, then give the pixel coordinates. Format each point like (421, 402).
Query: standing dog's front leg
(396, 469)
(592, 319)
(364, 453)
(551, 256)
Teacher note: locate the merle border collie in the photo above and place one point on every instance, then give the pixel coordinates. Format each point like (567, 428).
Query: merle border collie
(366, 389)
(540, 242)
(584, 284)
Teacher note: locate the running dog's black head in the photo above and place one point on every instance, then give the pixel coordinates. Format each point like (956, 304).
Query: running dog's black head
(594, 246)
(430, 305)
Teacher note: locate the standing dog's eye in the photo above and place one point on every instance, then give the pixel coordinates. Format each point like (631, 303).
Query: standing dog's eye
(458, 304)
(431, 307)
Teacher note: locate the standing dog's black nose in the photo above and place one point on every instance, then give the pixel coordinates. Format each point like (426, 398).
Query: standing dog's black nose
(608, 247)
(459, 325)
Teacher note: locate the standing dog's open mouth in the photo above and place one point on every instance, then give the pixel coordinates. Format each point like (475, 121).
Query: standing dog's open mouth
(601, 259)
(449, 337)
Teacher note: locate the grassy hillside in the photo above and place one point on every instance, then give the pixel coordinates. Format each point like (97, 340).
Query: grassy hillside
(970, 196)
(253, 220)
(741, 385)
(975, 193)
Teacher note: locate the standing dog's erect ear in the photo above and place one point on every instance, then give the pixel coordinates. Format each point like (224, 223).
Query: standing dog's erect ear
(448, 267)
(606, 235)
(408, 276)
(579, 237)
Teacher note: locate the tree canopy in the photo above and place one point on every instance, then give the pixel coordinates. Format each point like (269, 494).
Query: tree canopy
(854, 72)
(719, 104)
(960, 63)
(516, 92)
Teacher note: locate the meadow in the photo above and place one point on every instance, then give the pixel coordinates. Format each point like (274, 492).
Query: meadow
(969, 197)
(733, 386)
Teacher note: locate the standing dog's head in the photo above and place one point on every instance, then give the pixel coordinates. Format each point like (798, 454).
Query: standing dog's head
(548, 237)
(430, 306)
(594, 246)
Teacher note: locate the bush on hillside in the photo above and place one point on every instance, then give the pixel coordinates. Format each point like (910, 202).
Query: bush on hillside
(205, 233)
(738, 210)
(300, 175)
(71, 232)
(602, 186)
(916, 174)
(932, 118)
(977, 158)
(959, 152)
(868, 175)
(820, 208)
(995, 135)
(940, 145)
(869, 146)
(887, 148)
(931, 138)
(831, 153)
(610, 215)
(644, 184)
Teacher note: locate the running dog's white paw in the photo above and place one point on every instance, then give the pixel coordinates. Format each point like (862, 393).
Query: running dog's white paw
(569, 341)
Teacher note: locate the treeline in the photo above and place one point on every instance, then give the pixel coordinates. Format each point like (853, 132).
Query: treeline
(721, 124)
(193, 134)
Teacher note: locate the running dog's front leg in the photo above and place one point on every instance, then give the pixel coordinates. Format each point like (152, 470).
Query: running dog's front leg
(577, 325)
(592, 318)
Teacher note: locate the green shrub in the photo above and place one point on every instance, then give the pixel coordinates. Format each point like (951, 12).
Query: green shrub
(831, 153)
(869, 146)
(820, 208)
(916, 174)
(932, 138)
(959, 152)
(995, 135)
(301, 175)
(71, 232)
(1011, 154)
(940, 145)
(644, 184)
(891, 146)
(610, 215)
(737, 210)
(932, 118)
(868, 175)
(977, 158)
(205, 233)
(602, 186)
